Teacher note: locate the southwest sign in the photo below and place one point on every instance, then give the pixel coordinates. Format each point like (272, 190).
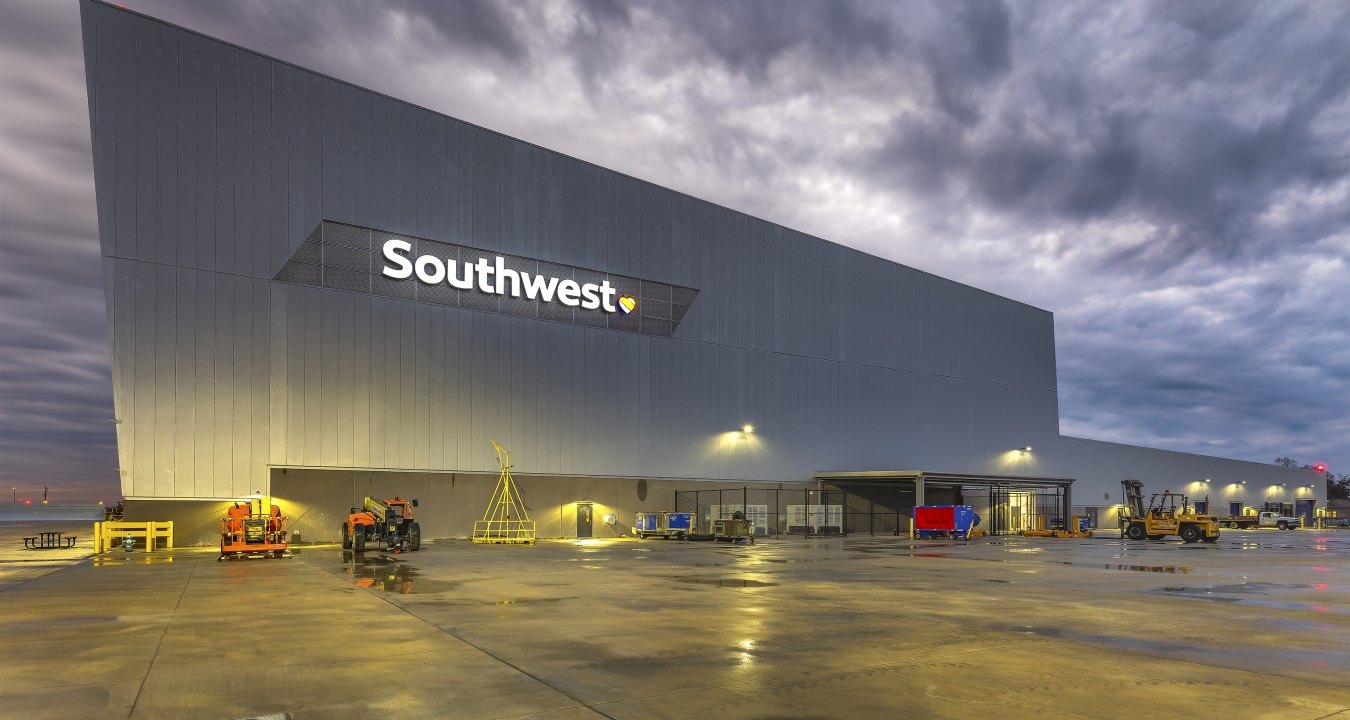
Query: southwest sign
(369, 261)
(494, 277)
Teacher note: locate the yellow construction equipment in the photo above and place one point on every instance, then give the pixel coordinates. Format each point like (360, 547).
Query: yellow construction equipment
(506, 519)
(1167, 514)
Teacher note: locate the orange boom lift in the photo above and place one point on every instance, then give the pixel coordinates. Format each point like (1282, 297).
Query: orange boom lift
(247, 530)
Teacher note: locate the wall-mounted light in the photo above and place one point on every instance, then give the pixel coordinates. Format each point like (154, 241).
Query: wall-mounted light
(747, 429)
(1025, 449)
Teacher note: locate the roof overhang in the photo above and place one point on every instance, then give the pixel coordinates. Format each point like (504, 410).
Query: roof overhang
(937, 477)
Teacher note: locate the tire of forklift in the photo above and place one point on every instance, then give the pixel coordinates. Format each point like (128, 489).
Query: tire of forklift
(1190, 534)
(359, 538)
(1135, 532)
(414, 537)
(346, 539)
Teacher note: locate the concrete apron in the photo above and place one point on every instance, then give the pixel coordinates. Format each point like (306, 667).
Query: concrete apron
(1009, 628)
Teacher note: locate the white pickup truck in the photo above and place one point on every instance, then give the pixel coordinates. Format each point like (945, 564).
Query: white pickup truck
(1265, 520)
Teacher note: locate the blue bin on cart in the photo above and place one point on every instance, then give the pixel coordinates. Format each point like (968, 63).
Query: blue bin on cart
(663, 524)
(679, 524)
(647, 523)
(946, 521)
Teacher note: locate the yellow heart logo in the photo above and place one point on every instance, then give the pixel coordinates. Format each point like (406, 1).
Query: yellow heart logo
(627, 304)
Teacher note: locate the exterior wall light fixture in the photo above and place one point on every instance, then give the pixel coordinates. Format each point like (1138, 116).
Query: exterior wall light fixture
(748, 429)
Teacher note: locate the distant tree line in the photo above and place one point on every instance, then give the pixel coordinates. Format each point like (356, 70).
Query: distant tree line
(1338, 486)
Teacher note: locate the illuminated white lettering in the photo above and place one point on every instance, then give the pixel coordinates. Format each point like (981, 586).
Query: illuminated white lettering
(433, 276)
(465, 283)
(568, 290)
(433, 270)
(484, 271)
(590, 294)
(537, 287)
(608, 293)
(503, 275)
(391, 253)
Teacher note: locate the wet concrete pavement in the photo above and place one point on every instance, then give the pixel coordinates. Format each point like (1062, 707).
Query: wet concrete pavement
(1256, 626)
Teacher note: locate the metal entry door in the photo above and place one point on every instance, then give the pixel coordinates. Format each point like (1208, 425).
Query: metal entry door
(1304, 509)
(584, 523)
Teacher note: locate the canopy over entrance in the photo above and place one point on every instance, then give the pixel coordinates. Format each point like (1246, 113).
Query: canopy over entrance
(1057, 490)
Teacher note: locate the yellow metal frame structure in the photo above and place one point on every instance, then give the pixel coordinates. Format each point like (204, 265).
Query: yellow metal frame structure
(506, 520)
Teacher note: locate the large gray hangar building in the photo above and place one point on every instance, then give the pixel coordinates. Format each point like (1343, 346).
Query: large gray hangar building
(319, 292)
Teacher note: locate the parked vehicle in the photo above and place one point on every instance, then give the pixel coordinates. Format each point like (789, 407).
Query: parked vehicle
(250, 528)
(1167, 514)
(1264, 520)
(382, 521)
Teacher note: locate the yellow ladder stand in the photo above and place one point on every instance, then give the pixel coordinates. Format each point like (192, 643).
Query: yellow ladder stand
(506, 519)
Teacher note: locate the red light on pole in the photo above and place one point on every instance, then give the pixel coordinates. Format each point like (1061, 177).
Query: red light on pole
(1320, 467)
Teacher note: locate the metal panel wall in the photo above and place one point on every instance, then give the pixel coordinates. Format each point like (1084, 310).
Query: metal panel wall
(213, 164)
(1100, 466)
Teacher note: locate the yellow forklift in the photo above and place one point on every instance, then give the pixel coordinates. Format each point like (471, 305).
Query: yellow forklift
(1168, 514)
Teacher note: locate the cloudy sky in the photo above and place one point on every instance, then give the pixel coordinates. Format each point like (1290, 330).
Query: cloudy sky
(1172, 180)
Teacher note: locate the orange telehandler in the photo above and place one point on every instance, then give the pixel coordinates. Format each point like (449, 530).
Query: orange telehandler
(382, 521)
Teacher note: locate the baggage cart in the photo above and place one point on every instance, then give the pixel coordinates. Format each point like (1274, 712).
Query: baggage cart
(733, 530)
(665, 525)
(647, 523)
(679, 525)
(945, 521)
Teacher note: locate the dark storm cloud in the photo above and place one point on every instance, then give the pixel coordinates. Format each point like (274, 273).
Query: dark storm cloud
(1190, 120)
(54, 380)
(971, 51)
(748, 36)
(477, 23)
(298, 31)
(1171, 179)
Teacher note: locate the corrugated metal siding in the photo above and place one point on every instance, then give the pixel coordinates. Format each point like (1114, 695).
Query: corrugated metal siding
(213, 164)
(1100, 466)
